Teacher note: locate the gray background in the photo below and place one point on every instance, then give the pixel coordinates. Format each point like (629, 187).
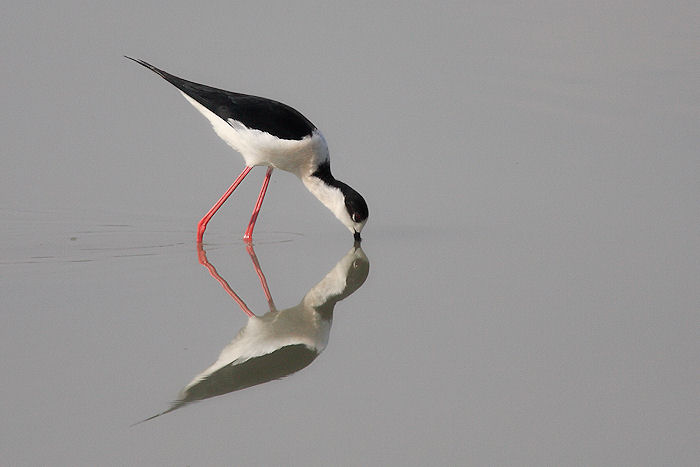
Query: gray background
(533, 183)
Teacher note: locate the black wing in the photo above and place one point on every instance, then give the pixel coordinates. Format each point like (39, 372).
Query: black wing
(254, 112)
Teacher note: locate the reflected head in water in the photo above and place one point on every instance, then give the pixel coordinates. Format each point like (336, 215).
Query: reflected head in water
(280, 342)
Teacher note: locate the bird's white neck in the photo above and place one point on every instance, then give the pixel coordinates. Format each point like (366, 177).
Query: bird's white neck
(330, 196)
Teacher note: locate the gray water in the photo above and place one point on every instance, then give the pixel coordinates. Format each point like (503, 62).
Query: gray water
(525, 293)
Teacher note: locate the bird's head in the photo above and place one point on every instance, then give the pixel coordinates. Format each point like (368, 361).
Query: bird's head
(356, 211)
(347, 204)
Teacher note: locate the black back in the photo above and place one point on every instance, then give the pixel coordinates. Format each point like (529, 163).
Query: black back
(254, 112)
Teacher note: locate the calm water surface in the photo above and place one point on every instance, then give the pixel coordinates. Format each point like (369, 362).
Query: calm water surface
(449, 347)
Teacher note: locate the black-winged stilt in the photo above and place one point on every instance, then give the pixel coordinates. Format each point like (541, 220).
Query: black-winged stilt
(271, 134)
(280, 342)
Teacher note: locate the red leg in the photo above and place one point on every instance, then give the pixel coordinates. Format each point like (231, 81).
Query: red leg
(261, 276)
(212, 270)
(202, 226)
(249, 231)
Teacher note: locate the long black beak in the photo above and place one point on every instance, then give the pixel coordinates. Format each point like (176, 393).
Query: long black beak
(357, 237)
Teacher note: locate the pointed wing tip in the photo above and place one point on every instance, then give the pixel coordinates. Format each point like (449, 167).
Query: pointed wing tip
(139, 61)
(147, 65)
(175, 405)
(152, 417)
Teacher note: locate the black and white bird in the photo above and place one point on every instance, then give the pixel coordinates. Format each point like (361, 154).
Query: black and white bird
(271, 134)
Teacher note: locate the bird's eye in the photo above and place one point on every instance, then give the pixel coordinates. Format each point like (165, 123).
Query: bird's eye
(356, 217)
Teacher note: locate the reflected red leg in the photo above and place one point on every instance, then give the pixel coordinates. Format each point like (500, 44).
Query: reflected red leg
(261, 276)
(249, 231)
(202, 226)
(202, 255)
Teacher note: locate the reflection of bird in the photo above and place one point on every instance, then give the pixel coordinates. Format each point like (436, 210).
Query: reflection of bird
(271, 134)
(277, 343)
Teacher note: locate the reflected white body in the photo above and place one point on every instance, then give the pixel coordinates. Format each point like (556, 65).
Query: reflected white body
(308, 323)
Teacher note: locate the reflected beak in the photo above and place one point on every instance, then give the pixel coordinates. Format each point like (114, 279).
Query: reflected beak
(357, 237)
